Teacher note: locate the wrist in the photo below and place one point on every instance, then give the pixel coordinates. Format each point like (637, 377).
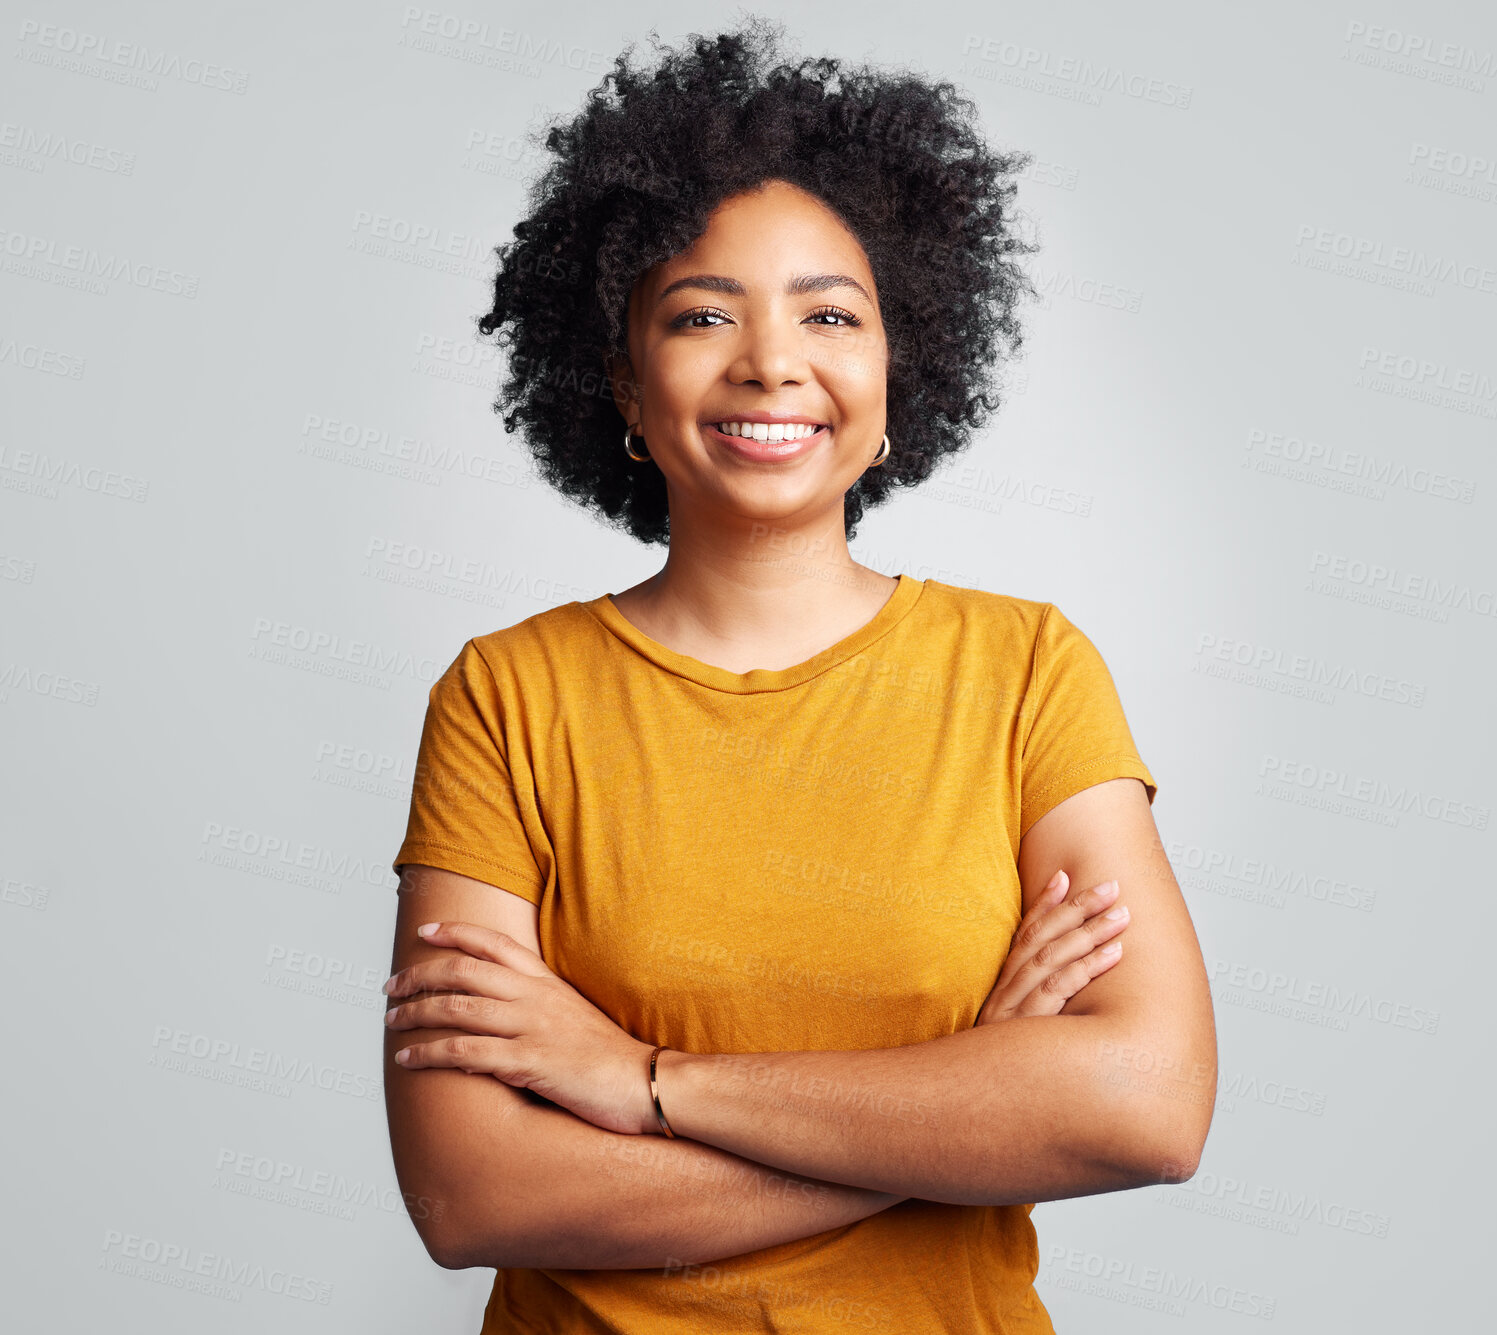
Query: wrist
(670, 1066)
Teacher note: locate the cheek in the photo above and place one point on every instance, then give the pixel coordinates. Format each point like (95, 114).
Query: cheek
(676, 379)
(861, 398)
(857, 370)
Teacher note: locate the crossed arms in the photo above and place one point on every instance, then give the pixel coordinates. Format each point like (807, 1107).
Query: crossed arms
(1114, 1092)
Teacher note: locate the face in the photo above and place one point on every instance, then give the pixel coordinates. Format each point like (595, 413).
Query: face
(772, 312)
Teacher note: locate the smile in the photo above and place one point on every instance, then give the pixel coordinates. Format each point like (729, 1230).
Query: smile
(759, 440)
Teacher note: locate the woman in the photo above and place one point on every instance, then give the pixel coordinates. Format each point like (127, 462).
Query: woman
(802, 861)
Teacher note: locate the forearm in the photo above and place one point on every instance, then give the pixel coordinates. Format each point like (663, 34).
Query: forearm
(1003, 1113)
(508, 1181)
(603, 1200)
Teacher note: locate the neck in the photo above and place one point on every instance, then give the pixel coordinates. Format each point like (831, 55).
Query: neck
(757, 585)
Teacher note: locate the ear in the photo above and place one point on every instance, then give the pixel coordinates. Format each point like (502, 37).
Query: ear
(620, 373)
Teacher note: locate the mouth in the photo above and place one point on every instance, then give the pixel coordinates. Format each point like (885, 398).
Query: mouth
(752, 440)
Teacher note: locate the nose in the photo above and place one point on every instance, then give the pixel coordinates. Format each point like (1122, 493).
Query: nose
(770, 351)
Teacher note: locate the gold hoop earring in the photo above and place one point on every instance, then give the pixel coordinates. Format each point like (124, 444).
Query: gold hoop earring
(883, 452)
(638, 458)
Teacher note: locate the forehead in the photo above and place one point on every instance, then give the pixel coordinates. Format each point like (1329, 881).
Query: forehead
(763, 236)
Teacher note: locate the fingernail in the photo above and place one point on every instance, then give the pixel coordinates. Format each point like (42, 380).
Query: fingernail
(1120, 912)
(1054, 881)
(427, 928)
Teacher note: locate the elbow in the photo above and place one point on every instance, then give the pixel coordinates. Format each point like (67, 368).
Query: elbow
(1168, 1161)
(445, 1257)
(439, 1225)
(458, 1259)
(1165, 1151)
(455, 1248)
(462, 1244)
(450, 1233)
(1167, 1116)
(449, 1250)
(471, 1231)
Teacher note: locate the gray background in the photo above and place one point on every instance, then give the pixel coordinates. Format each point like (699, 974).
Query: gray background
(1249, 452)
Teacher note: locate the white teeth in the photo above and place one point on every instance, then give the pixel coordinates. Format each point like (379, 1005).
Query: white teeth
(768, 431)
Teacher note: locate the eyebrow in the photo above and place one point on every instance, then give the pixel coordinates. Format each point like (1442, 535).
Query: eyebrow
(798, 286)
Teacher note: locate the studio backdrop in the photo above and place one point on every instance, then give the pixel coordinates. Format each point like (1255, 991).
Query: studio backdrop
(254, 499)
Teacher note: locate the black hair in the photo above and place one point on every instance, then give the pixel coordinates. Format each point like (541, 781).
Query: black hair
(635, 175)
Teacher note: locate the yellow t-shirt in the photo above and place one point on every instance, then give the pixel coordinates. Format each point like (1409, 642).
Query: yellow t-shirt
(821, 857)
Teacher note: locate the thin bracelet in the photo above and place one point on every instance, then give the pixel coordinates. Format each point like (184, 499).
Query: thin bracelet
(655, 1093)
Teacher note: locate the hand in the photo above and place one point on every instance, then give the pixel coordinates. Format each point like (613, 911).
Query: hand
(1057, 950)
(526, 1027)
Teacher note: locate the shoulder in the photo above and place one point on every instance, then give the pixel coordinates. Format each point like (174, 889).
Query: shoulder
(502, 655)
(1032, 642)
(1005, 614)
(546, 633)
(1046, 628)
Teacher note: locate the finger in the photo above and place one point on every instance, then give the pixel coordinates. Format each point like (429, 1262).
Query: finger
(1084, 903)
(1046, 994)
(457, 971)
(484, 943)
(1053, 945)
(1050, 924)
(1082, 909)
(1059, 987)
(1052, 960)
(453, 1010)
(1056, 891)
(465, 1052)
(1101, 926)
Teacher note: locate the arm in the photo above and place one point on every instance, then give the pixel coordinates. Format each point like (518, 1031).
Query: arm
(1030, 1110)
(506, 1179)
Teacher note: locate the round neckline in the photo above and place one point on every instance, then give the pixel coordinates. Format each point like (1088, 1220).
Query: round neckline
(904, 596)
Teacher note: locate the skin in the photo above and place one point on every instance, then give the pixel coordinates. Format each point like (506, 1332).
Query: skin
(582, 1197)
(1064, 1021)
(562, 1047)
(1118, 1095)
(729, 594)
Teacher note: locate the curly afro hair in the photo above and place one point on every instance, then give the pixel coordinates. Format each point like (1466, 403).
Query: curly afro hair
(639, 169)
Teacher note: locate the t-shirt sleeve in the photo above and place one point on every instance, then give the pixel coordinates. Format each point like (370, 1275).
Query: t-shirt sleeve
(466, 815)
(1077, 733)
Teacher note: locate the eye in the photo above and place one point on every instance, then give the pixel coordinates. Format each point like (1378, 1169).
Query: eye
(846, 316)
(686, 320)
(683, 320)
